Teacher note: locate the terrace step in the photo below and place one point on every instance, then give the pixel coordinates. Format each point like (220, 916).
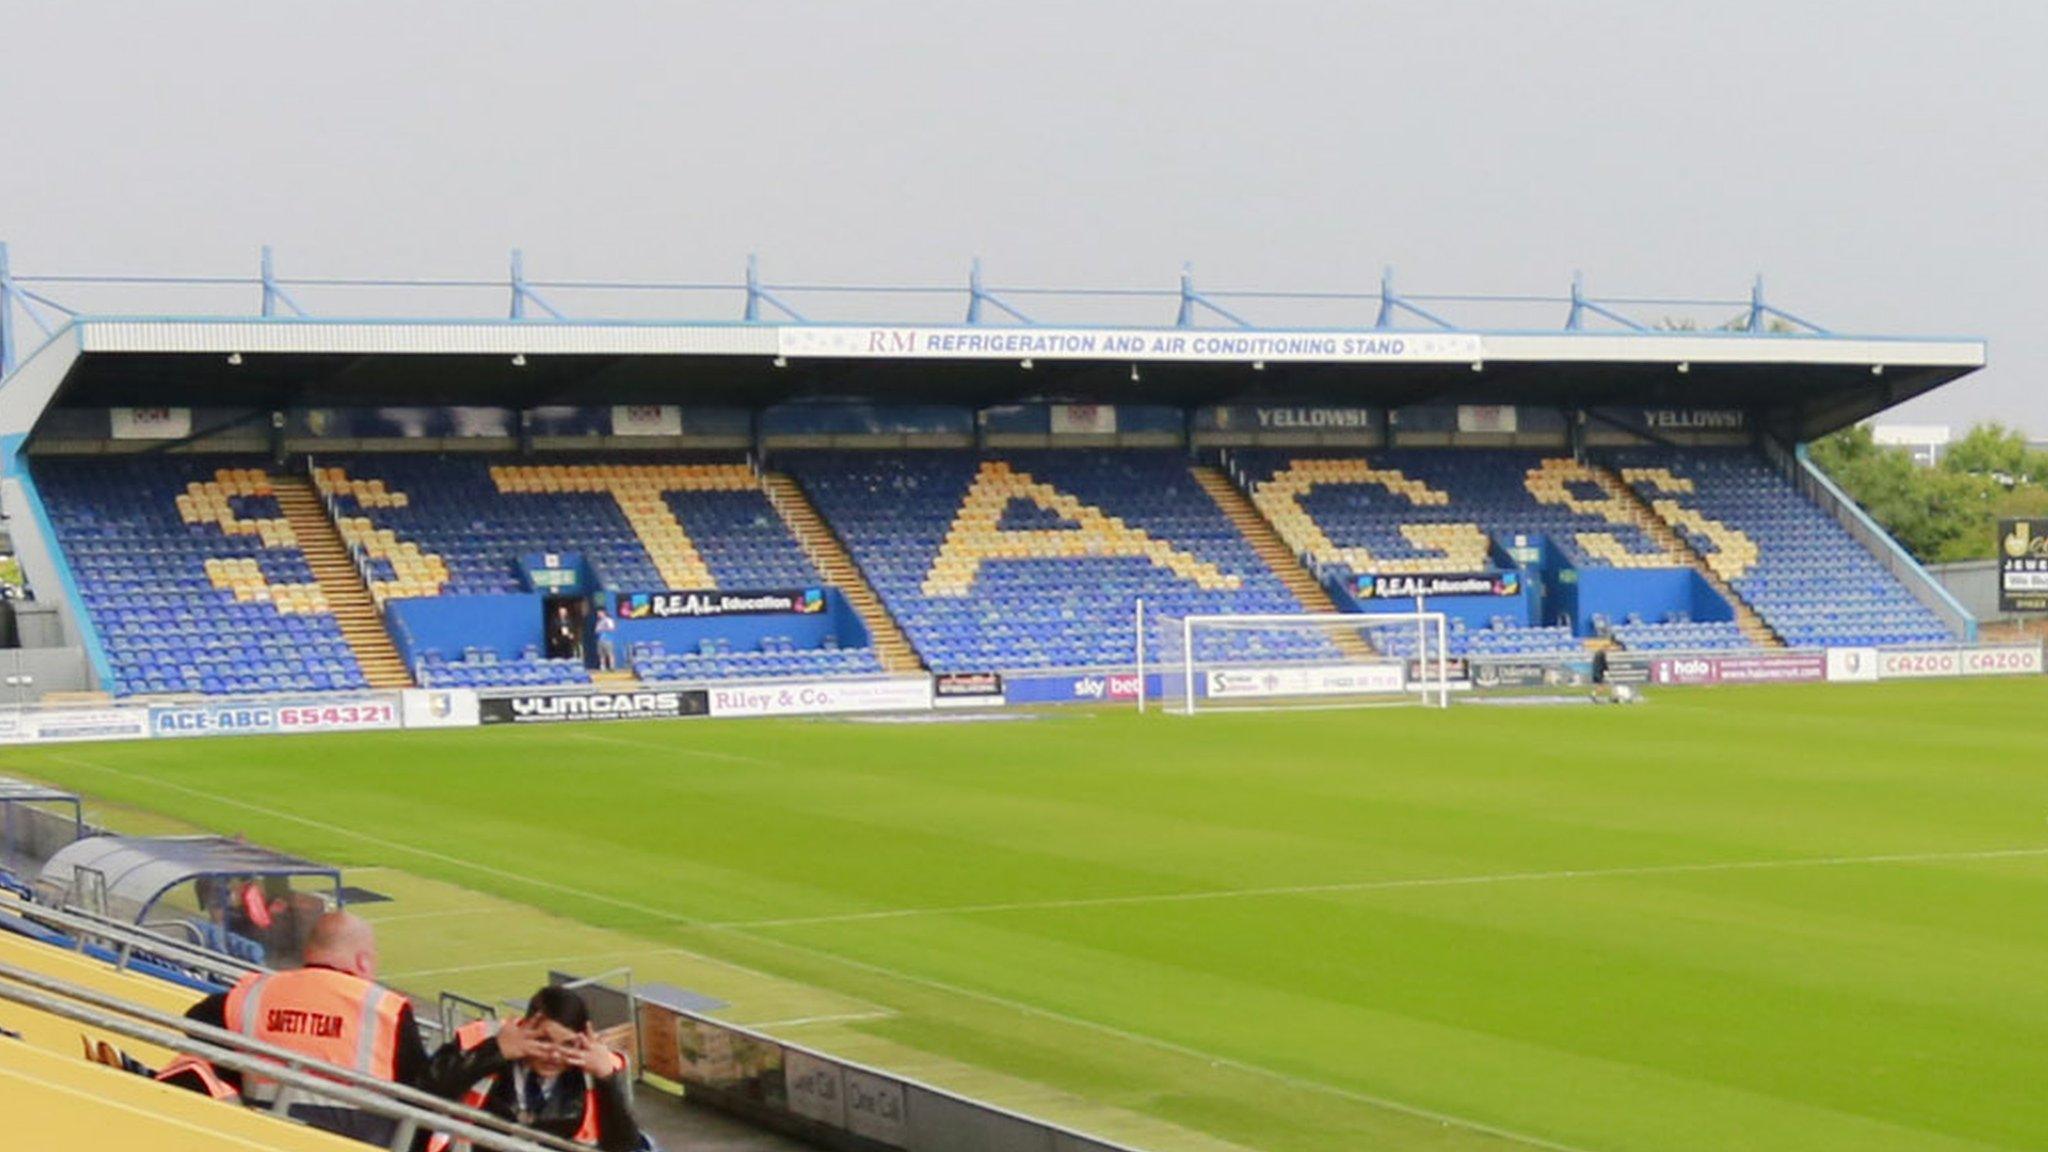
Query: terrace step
(826, 551)
(1260, 534)
(1752, 624)
(348, 598)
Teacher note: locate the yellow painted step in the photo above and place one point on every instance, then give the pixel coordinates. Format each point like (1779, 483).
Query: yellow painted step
(891, 646)
(348, 599)
(1266, 542)
(1747, 619)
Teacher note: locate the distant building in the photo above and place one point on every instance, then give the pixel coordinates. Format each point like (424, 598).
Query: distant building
(1926, 442)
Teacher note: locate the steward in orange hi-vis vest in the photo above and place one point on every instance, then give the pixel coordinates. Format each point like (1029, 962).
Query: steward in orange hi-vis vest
(331, 1010)
(320, 1012)
(547, 1071)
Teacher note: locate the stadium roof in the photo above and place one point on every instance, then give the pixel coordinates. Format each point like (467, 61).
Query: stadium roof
(1305, 347)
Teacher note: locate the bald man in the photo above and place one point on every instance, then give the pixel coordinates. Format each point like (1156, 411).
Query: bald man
(331, 1009)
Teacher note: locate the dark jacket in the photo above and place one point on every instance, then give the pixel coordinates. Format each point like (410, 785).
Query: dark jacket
(463, 1063)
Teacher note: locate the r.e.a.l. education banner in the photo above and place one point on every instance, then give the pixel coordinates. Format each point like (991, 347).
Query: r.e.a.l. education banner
(2023, 565)
(1409, 585)
(703, 603)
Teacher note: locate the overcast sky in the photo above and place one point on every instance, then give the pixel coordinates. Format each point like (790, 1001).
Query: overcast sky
(1885, 166)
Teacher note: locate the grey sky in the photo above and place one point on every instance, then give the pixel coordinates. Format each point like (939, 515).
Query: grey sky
(1885, 165)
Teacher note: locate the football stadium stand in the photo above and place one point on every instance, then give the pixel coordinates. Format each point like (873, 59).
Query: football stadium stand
(238, 608)
(431, 526)
(314, 504)
(1807, 577)
(1421, 511)
(194, 576)
(985, 561)
(1032, 560)
(1785, 567)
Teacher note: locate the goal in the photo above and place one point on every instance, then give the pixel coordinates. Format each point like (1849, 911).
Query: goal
(1304, 660)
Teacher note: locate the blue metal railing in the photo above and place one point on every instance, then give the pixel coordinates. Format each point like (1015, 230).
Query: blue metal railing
(1822, 490)
(275, 297)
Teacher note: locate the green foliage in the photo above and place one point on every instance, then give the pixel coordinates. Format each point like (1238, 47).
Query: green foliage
(1949, 512)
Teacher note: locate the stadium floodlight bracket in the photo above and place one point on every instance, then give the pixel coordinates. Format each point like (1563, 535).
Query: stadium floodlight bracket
(523, 293)
(757, 295)
(1575, 321)
(978, 295)
(1758, 310)
(273, 292)
(1191, 299)
(1391, 302)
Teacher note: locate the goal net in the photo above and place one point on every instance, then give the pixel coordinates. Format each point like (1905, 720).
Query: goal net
(1305, 660)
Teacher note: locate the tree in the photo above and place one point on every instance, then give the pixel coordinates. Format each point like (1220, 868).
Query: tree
(1992, 451)
(1940, 514)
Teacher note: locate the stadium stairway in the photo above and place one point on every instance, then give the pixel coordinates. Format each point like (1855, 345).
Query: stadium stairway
(1260, 534)
(1659, 529)
(362, 625)
(891, 646)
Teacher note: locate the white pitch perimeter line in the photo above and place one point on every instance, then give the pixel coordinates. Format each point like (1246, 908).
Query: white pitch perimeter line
(661, 915)
(440, 914)
(676, 749)
(1390, 885)
(1138, 1038)
(797, 1022)
(534, 962)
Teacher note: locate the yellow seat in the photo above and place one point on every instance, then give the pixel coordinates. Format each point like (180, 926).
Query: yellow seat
(61, 1101)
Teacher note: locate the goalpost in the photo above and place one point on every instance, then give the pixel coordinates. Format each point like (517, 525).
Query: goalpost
(1305, 660)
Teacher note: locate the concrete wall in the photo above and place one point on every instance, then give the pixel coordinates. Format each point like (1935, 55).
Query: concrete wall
(38, 566)
(1974, 583)
(27, 674)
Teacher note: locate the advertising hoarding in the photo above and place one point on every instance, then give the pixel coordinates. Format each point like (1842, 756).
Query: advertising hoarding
(2023, 565)
(818, 697)
(556, 707)
(223, 719)
(1304, 680)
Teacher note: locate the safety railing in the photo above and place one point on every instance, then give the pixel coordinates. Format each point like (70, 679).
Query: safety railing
(301, 1079)
(1822, 490)
(128, 942)
(820, 1098)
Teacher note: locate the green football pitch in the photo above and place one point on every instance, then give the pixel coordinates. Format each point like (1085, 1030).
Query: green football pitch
(1775, 918)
